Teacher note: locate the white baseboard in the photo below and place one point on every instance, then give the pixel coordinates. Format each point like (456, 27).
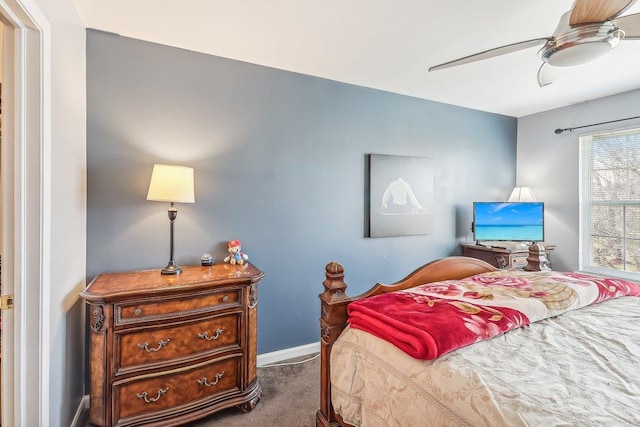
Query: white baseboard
(288, 353)
(78, 417)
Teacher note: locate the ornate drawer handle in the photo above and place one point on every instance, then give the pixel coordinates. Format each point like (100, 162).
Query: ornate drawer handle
(144, 395)
(203, 380)
(205, 335)
(161, 344)
(225, 298)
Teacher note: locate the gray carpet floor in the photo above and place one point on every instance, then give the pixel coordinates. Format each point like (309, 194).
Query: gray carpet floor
(290, 397)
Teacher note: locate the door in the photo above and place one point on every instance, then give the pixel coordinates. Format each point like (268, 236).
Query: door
(24, 213)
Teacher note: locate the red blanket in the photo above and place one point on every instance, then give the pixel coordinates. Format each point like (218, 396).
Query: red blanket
(433, 319)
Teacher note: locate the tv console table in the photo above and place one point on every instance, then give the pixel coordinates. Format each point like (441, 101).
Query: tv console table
(504, 254)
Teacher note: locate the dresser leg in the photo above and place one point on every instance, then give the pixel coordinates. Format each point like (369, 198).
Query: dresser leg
(256, 395)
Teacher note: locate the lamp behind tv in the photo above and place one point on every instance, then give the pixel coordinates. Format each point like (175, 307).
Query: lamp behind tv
(508, 221)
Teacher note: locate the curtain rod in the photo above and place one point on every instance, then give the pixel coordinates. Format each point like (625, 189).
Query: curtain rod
(559, 131)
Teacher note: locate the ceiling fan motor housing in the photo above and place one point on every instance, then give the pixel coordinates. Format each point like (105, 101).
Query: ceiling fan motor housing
(581, 44)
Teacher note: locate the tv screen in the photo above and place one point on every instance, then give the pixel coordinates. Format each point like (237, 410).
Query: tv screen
(508, 221)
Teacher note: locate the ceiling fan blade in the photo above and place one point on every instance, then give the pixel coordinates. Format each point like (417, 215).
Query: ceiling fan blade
(594, 11)
(514, 47)
(630, 24)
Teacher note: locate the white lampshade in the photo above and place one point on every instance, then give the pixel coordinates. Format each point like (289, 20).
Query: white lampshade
(170, 183)
(522, 194)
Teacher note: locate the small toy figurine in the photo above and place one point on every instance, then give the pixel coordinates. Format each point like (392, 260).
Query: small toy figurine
(235, 255)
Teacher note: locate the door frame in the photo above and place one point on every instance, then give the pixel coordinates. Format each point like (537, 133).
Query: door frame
(26, 212)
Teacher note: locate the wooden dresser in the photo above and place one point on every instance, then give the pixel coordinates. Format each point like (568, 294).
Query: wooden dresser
(504, 254)
(167, 350)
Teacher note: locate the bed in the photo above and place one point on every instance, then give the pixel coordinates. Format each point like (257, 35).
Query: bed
(575, 362)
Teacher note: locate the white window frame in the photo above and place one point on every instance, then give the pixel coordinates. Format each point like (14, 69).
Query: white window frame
(586, 203)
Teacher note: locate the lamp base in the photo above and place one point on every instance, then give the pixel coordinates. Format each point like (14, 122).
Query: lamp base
(171, 268)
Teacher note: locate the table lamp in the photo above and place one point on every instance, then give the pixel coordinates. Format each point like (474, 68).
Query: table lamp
(522, 194)
(174, 184)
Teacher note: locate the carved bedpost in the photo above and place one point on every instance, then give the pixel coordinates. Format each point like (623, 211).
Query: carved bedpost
(333, 320)
(537, 259)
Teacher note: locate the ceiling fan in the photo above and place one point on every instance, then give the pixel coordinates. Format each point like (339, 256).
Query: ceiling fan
(589, 30)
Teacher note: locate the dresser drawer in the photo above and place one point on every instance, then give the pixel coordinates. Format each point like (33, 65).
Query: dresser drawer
(146, 396)
(159, 309)
(174, 342)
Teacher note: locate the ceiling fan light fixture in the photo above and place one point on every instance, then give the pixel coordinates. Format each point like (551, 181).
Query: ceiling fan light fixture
(582, 45)
(579, 54)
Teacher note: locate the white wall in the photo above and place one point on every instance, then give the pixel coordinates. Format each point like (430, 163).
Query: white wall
(68, 213)
(549, 163)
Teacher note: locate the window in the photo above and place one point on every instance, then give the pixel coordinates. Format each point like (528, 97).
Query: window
(610, 203)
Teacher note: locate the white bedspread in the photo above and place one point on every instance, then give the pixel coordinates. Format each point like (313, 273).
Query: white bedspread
(580, 369)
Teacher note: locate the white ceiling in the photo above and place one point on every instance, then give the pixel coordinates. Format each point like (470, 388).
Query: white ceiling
(383, 44)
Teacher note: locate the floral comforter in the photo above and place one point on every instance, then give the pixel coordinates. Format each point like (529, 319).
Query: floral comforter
(433, 319)
(578, 369)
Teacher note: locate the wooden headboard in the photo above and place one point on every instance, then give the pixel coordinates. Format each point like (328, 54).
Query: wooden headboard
(333, 317)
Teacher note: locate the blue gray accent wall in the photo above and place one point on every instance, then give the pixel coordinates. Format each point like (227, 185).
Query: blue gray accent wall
(279, 162)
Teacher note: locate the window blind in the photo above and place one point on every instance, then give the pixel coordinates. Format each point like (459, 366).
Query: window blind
(610, 203)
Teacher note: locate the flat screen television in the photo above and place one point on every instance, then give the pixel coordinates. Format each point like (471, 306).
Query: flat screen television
(508, 221)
